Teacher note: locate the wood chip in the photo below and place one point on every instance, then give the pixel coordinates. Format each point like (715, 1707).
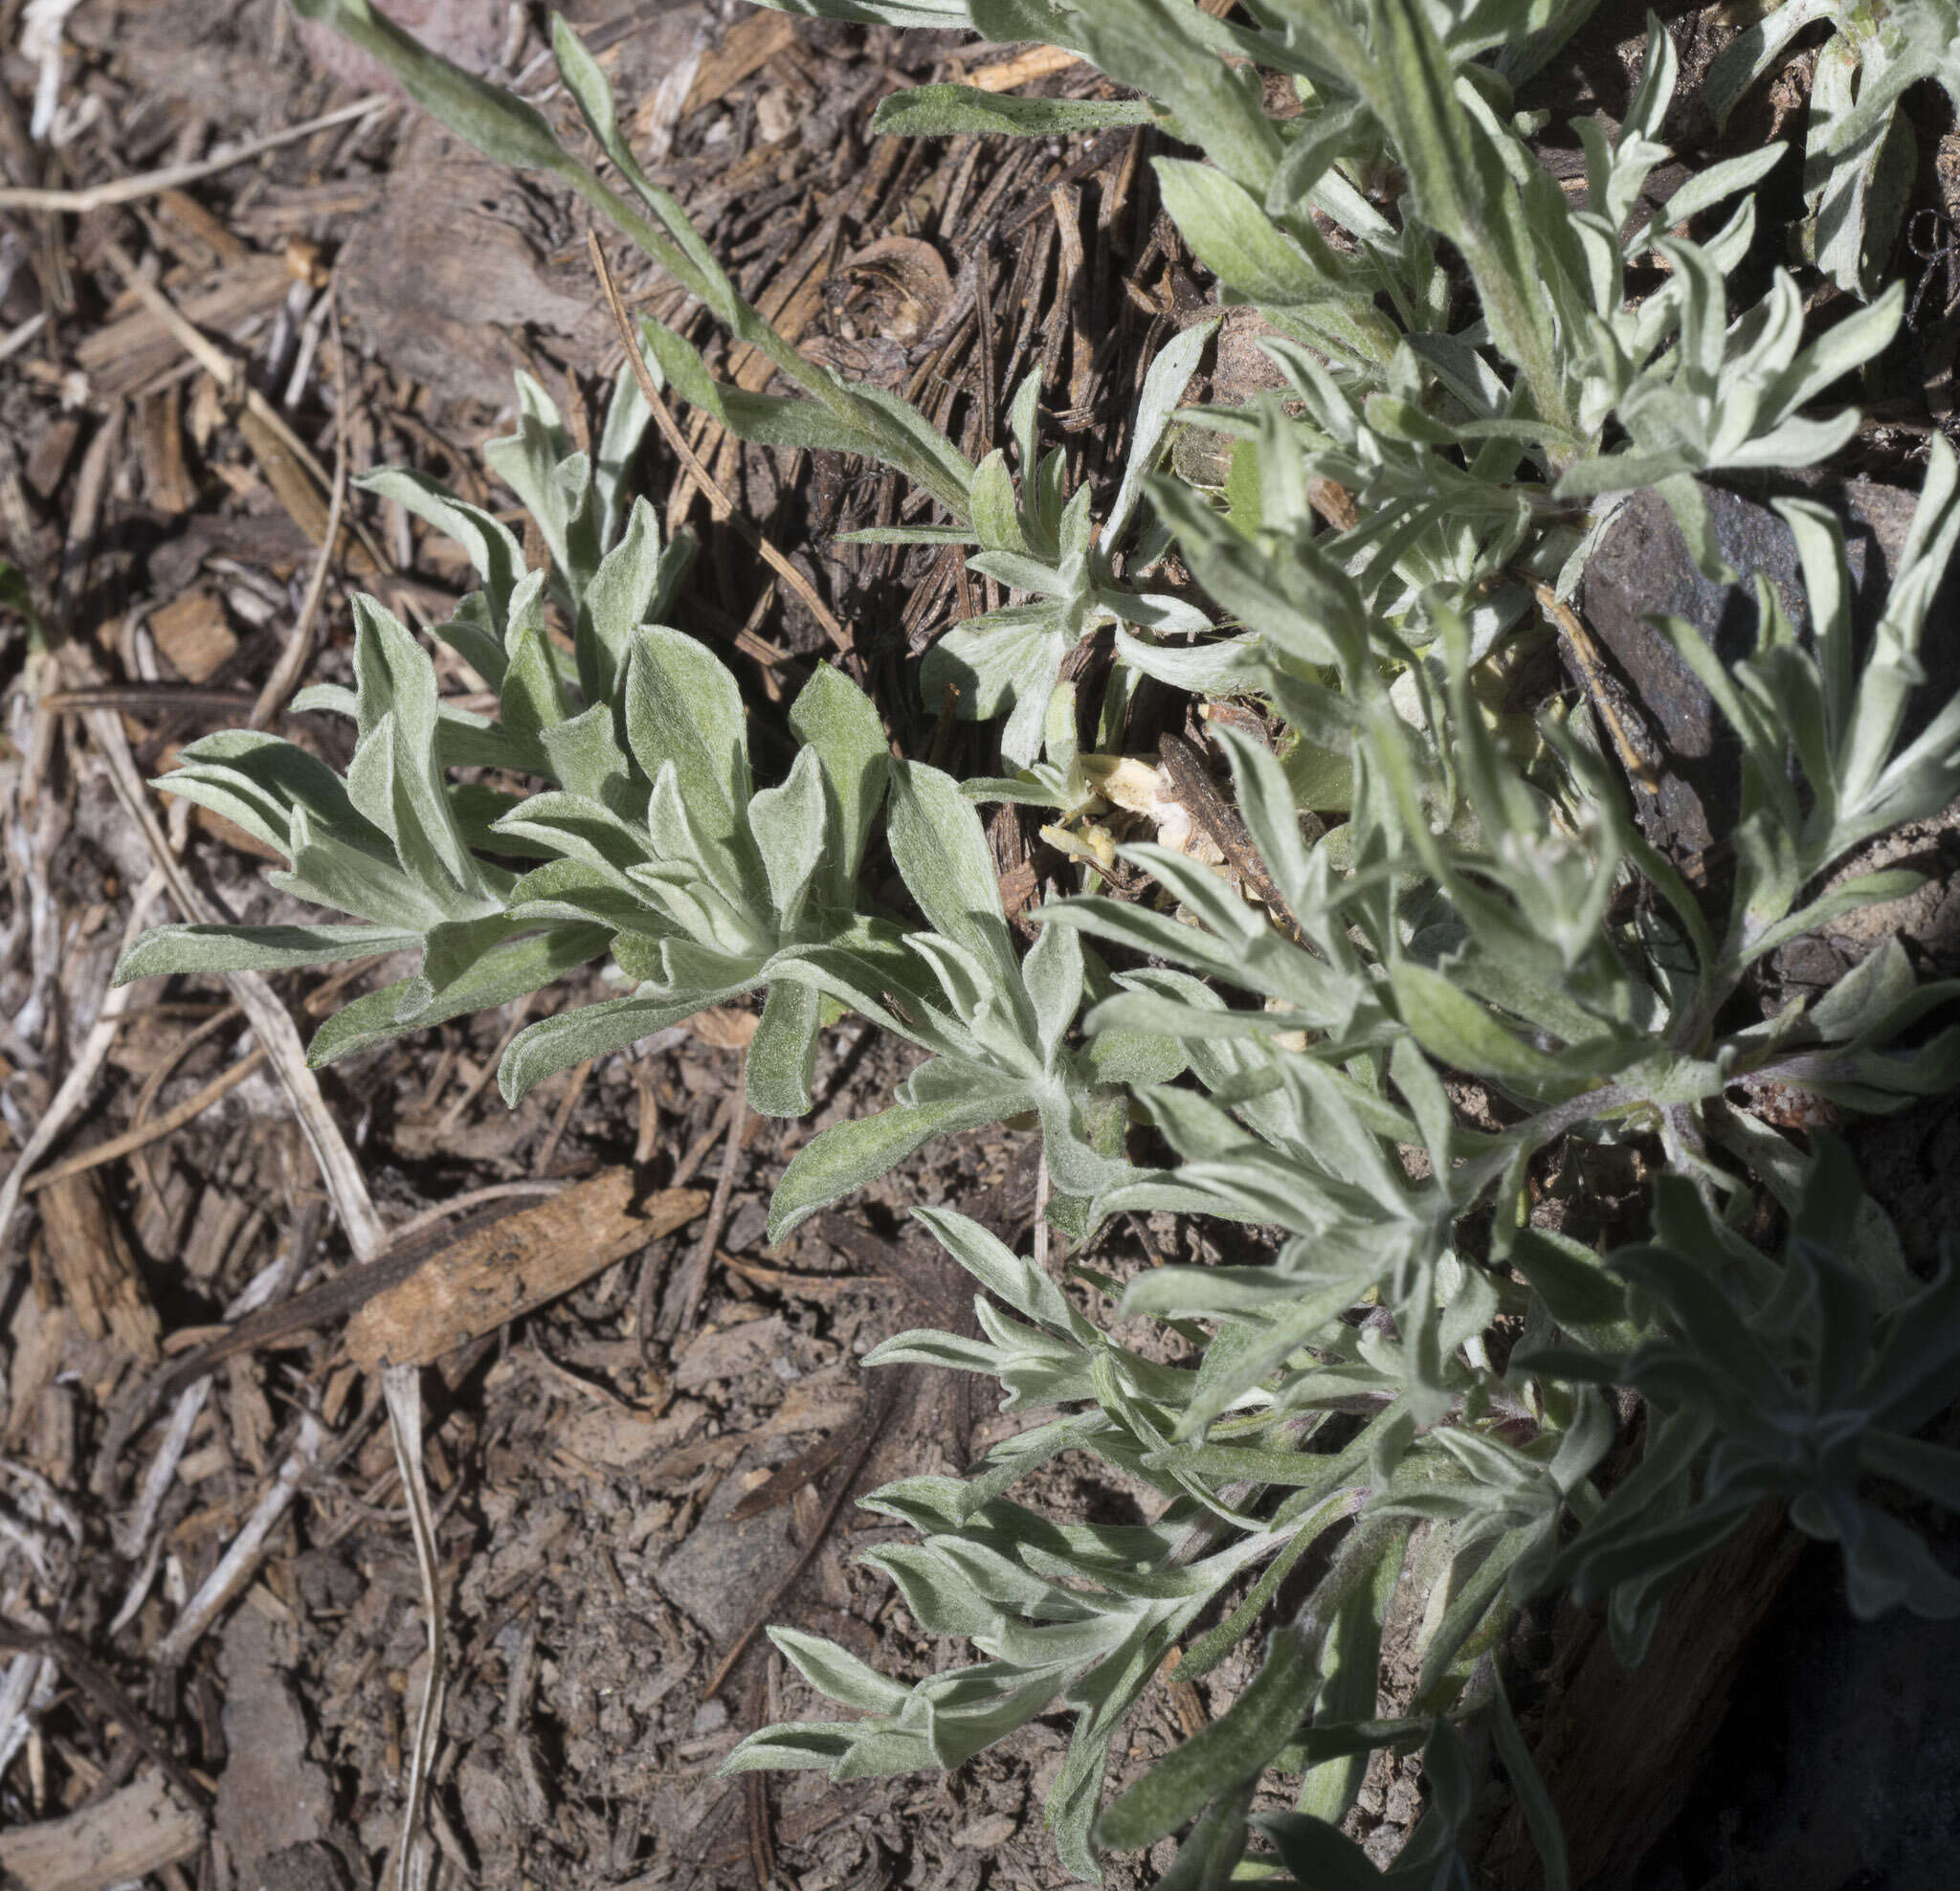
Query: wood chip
(192, 633)
(746, 47)
(295, 487)
(515, 1266)
(128, 1836)
(98, 1276)
(166, 482)
(123, 355)
(722, 1028)
(1023, 69)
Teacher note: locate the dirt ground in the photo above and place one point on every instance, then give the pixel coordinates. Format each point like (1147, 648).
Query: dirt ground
(377, 285)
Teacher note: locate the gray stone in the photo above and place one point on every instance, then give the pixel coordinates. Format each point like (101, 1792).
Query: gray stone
(299, 1868)
(1840, 1765)
(724, 1571)
(1642, 567)
(270, 1797)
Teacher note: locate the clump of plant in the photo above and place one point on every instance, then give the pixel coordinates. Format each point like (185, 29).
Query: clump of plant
(1432, 892)
(1860, 147)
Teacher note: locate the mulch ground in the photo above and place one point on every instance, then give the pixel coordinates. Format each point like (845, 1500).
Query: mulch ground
(626, 1483)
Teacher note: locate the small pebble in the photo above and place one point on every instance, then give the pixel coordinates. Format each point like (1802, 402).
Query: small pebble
(710, 1716)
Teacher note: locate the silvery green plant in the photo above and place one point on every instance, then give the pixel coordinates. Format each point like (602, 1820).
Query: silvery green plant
(395, 843)
(1352, 1412)
(650, 840)
(1040, 541)
(1420, 953)
(1860, 147)
(997, 1026)
(652, 845)
(1796, 1379)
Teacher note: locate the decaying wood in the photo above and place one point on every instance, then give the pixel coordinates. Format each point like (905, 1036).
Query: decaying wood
(136, 346)
(191, 631)
(138, 1830)
(97, 1272)
(748, 45)
(109, 1701)
(1619, 1750)
(514, 1266)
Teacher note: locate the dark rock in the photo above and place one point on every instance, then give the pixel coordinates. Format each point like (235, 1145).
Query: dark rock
(1642, 567)
(724, 1571)
(299, 1868)
(270, 1797)
(1839, 1763)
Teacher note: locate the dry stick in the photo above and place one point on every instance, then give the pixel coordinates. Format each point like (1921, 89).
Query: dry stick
(260, 1004)
(402, 1388)
(147, 1097)
(140, 699)
(643, 1322)
(574, 1090)
(81, 1074)
(234, 1569)
(416, 1224)
(110, 1701)
(132, 1532)
(521, 1010)
(153, 183)
(285, 673)
(156, 1128)
(724, 507)
(694, 1282)
(1639, 771)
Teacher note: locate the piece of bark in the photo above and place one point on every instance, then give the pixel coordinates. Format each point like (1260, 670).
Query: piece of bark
(98, 1277)
(748, 45)
(130, 1833)
(291, 481)
(166, 480)
(1616, 1751)
(514, 1266)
